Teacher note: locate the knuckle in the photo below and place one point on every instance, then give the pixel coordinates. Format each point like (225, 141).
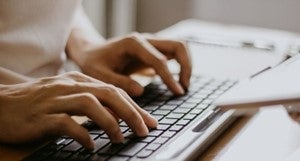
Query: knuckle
(88, 99)
(111, 90)
(74, 74)
(62, 121)
(131, 39)
(162, 60)
(180, 44)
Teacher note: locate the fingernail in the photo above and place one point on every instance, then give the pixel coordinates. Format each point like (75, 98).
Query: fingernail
(180, 89)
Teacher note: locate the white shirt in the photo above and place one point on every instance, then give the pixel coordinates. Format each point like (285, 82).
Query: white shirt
(33, 35)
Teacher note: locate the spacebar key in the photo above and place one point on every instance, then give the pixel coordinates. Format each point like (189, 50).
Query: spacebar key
(132, 149)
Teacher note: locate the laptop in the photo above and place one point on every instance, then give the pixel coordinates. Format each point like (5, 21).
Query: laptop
(187, 126)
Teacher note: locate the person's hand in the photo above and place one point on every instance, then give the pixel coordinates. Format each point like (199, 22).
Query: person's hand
(113, 61)
(40, 108)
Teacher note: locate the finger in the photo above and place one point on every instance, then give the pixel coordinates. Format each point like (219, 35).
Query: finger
(111, 97)
(88, 105)
(145, 52)
(149, 120)
(179, 51)
(121, 107)
(63, 124)
(129, 85)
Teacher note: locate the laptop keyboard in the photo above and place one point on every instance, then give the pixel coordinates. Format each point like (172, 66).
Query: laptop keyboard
(173, 114)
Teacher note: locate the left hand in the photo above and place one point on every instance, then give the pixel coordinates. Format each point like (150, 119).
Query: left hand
(113, 61)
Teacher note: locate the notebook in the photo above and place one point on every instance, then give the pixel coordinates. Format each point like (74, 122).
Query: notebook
(274, 85)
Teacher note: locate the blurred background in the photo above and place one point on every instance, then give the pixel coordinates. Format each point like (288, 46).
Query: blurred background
(119, 17)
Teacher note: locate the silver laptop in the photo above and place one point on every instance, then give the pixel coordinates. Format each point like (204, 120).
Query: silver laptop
(187, 125)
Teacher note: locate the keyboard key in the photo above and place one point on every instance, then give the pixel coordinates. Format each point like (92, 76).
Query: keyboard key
(162, 127)
(144, 153)
(96, 131)
(176, 128)
(151, 108)
(168, 107)
(202, 106)
(104, 136)
(73, 147)
(168, 134)
(155, 133)
(123, 124)
(196, 111)
(161, 140)
(207, 101)
(174, 115)
(100, 143)
(132, 149)
(158, 117)
(181, 110)
(111, 149)
(174, 102)
(168, 121)
(189, 116)
(182, 122)
(60, 155)
(93, 136)
(161, 112)
(147, 139)
(193, 100)
(119, 158)
(153, 146)
(189, 105)
(124, 129)
(129, 134)
(97, 157)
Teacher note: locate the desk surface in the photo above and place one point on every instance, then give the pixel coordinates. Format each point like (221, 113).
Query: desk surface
(269, 135)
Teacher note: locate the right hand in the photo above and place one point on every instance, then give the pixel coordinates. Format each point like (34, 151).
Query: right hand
(40, 108)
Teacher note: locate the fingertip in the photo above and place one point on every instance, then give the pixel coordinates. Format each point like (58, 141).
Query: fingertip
(143, 132)
(153, 123)
(118, 138)
(185, 84)
(180, 90)
(136, 89)
(91, 144)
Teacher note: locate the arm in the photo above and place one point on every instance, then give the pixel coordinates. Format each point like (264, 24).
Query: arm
(82, 35)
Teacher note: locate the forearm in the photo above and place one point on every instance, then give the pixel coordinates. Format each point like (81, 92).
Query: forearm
(10, 77)
(82, 35)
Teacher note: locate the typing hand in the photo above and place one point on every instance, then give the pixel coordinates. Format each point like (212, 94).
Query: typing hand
(113, 61)
(39, 108)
